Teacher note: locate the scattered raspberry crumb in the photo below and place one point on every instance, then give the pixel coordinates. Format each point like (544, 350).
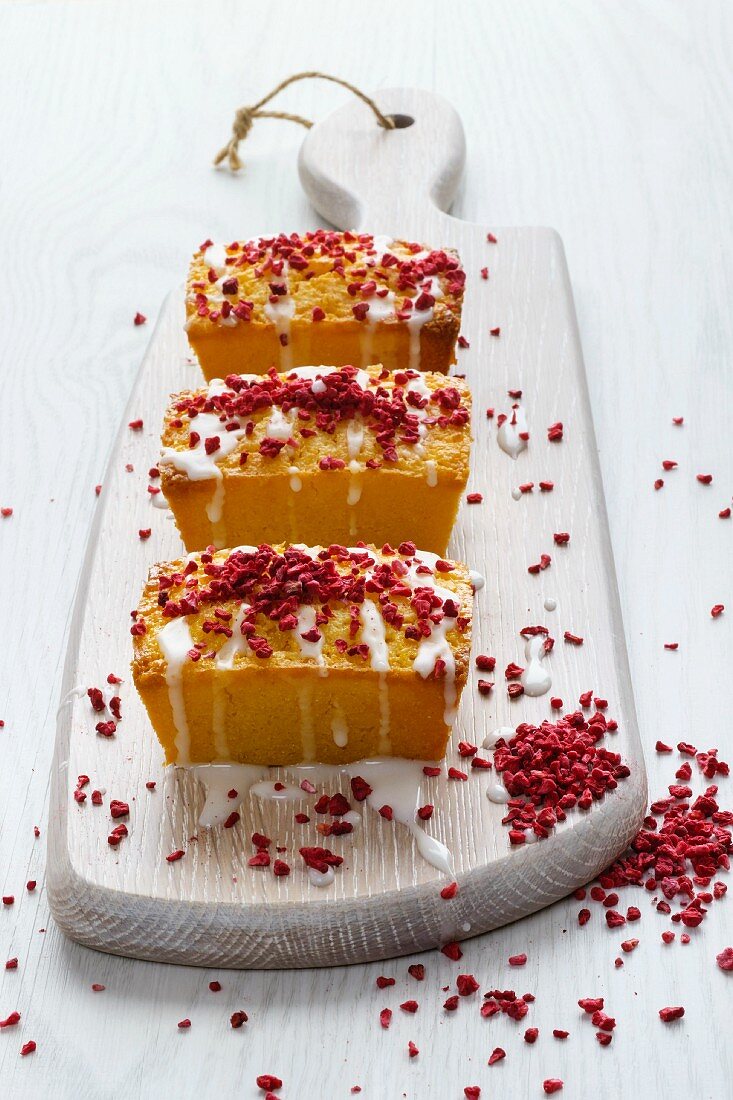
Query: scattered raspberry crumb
(135, 425)
(452, 951)
(662, 747)
(463, 342)
(175, 856)
(28, 1048)
(412, 1049)
(559, 1033)
(409, 1006)
(724, 959)
(6, 513)
(704, 479)
(472, 1092)
(385, 1017)
(215, 987)
(659, 484)
(517, 960)
(184, 1025)
(495, 331)
(530, 1035)
(474, 498)
(724, 513)
(667, 1015)
(144, 533)
(139, 319)
(552, 1084)
(238, 1018)
(268, 1081)
(491, 238)
(97, 987)
(669, 464)
(496, 1056)
(574, 639)
(678, 420)
(717, 610)
(8, 899)
(672, 645)
(449, 891)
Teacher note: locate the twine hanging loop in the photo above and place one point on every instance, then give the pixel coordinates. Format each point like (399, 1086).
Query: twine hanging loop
(245, 116)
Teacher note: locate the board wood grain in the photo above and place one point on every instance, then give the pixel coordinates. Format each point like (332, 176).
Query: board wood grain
(209, 908)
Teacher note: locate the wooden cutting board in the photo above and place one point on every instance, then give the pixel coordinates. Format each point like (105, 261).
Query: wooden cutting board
(209, 908)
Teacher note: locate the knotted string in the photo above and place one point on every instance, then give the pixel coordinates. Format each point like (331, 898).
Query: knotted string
(245, 116)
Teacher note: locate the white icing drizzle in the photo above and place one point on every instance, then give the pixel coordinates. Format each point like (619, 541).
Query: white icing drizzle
(497, 792)
(158, 501)
(175, 641)
(306, 623)
(355, 436)
(374, 637)
(295, 483)
(419, 385)
(508, 435)
(431, 473)
(380, 308)
(215, 257)
(478, 580)
(517, 493)
(307, 733)
(279, 426)
(354, 494)
(281, 313)
(396, 782)
(339, 728)
(536, 679)
(419, 317)
(283, 792)
(321, 878)
(550, 603)
(197, 465)
(218, 780)
(503, 733)
(437, 646)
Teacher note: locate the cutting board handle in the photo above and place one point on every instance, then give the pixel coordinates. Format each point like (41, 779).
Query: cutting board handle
(359, 175)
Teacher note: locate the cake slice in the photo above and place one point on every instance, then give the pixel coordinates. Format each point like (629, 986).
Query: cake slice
(323, 297)
(287, 655)
(319, 455)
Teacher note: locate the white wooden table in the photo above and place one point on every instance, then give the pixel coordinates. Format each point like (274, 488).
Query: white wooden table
(608, 122)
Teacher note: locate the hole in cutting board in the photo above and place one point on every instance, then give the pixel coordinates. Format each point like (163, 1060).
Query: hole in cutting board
(401, 122)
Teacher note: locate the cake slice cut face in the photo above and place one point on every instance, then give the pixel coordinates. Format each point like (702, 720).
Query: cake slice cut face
(319, 455)
(323, 297)
(288, 655)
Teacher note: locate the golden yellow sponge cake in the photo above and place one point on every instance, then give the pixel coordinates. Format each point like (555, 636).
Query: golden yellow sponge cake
(323, 297)
(287, 655)
(319, 455)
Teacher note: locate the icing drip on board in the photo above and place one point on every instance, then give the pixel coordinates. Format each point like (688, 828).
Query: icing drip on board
(395, 782)
(536, 679)
(509, 435)
(218, 781)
